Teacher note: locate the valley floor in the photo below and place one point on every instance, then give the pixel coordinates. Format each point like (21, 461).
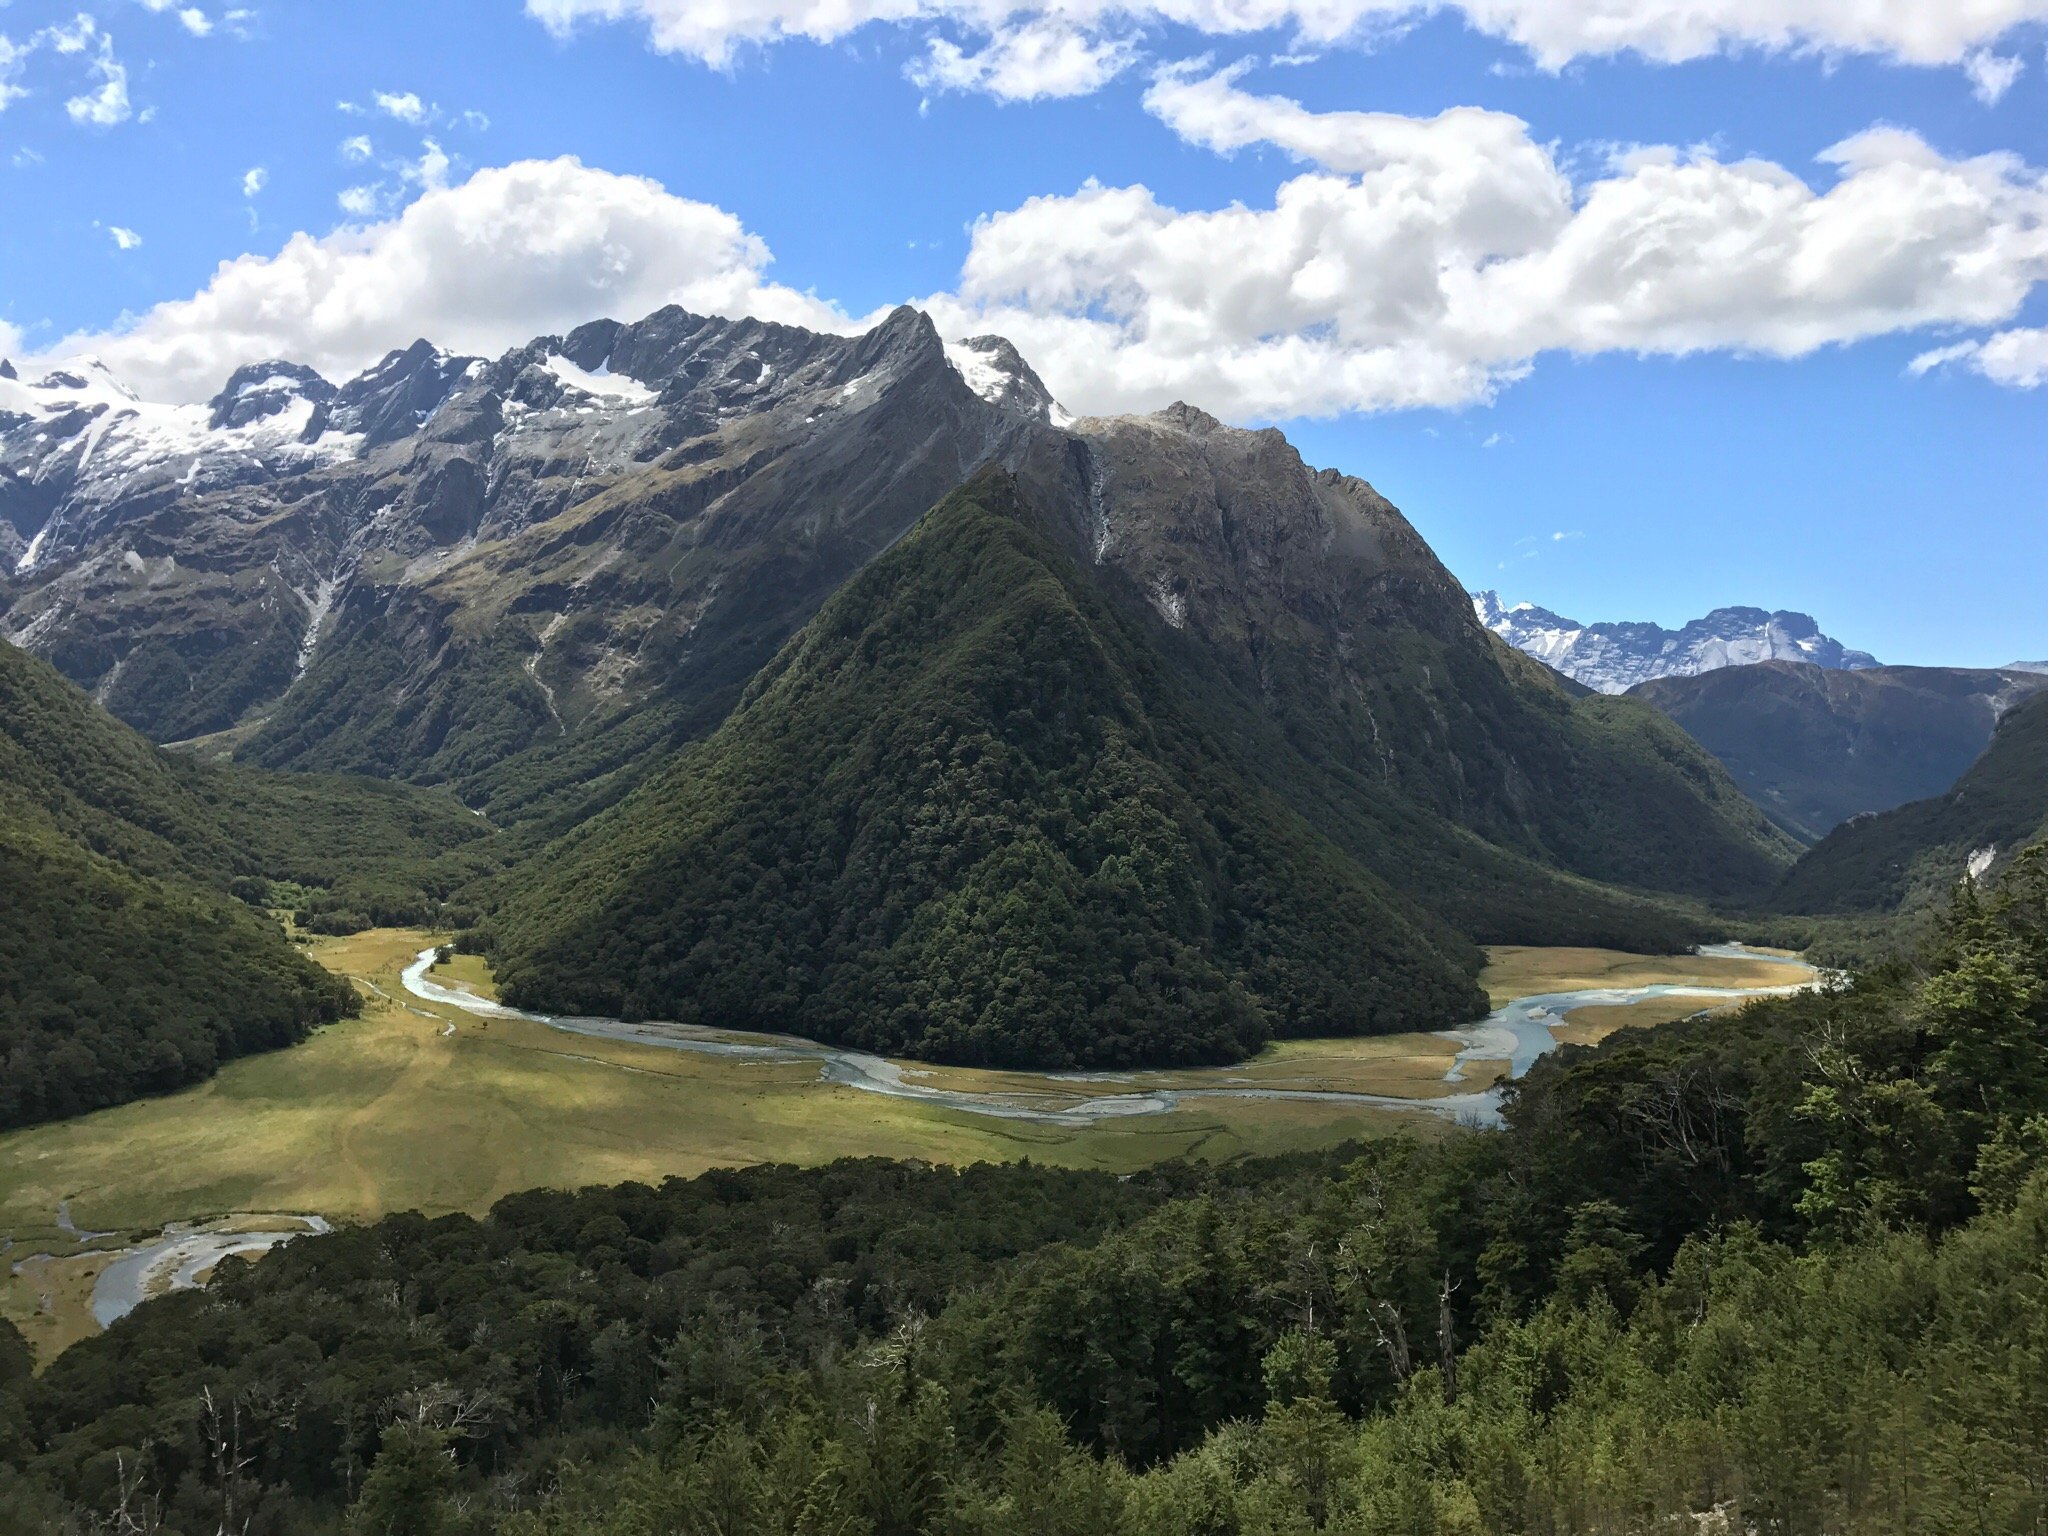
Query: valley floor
(423, 1105)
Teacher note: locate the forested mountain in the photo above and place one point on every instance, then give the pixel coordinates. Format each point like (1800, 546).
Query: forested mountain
(121, 971)
(1781, 1272)
(1815, 746)
(969, 814)
(533, 578)
(1908, 858)
(127, 965)
(998, 805)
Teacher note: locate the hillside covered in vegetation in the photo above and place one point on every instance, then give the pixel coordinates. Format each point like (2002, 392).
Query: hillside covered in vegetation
(968, 814)
(1906, 859)
(1785, 1274)
(131, 959)
(985, 809)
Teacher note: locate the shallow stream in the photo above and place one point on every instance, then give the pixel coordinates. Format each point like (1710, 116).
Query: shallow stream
(1518, 1033)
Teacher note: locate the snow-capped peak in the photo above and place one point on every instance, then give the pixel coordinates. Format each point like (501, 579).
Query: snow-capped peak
(1614, 657)
(996, 371)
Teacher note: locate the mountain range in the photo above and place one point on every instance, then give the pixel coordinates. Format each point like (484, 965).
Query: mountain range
(615, 590)
(1816, 746)
(1614, 657)
(1910, 858)
(834, 684)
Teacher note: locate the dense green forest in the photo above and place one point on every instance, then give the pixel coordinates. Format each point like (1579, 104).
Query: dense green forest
(134, 958)
(968, 814)
(983, 810)
(1787, 1274)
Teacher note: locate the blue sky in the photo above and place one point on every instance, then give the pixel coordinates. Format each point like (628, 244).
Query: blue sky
(1626, 301)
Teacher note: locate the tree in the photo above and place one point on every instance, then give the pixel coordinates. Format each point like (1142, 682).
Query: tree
(406, 1493)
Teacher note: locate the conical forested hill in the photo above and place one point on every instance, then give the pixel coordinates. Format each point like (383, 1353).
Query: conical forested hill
(127, 965)
(971, 813)
(121, 973)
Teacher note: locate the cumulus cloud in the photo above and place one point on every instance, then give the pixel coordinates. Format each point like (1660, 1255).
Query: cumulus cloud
(1026, 63)
(533, 247)
(1410, 262)
(108, 104)
(357, 149)
(124, 239)
(13, 56)
(254, 180)
(1428, 261)
(190, 17)
(406, 106)
(103, 106)
(1991, 74)
(2016, 358)
(1552, 32)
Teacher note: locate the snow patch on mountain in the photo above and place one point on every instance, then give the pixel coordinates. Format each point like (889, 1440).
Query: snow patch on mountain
(996, 371)
(601, 382)
(1614, 657)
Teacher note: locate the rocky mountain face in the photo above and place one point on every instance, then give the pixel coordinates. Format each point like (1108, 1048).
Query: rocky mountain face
(462, 558)
(1815, 746)
(1910, 858)
(177, 560)
(1613, 658)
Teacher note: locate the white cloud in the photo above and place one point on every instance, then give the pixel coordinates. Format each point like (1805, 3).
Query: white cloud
(430, 170)
(254, 180)
(108, 105)
(1414, 262)
(1025, 63)
(357, 149)
(533, 247)
(2017, 358)
(1552, 32)
(405, 106)
(1991, 74)
(191, 18)
(124, 239)
(74, 38)
(1451, 252)
(13, 56)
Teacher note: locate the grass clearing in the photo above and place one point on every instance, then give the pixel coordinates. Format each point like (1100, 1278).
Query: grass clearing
(49, 1298)
(1592, 1024)
(1514, 970)
(394, 1111)
(425, 1107)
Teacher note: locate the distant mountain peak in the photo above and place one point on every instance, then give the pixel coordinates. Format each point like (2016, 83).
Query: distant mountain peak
(1614, 657)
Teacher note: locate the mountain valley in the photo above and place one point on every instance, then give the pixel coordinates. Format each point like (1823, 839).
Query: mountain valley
(675, 751)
